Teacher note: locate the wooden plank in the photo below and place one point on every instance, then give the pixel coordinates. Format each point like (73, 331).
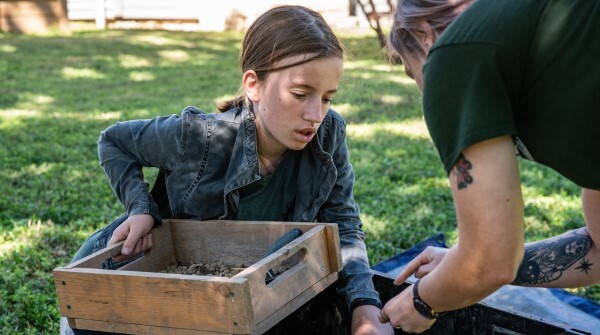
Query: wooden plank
(95, 260)
(159, 256)
(155, 299)
(266, 299)
(232, 242)
(294, 304)
(126, 328)
(333, 247)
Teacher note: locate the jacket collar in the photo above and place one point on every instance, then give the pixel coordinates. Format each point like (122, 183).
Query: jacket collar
(243, 168)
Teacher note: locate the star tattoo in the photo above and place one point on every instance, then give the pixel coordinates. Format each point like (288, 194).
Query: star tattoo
(584, 266)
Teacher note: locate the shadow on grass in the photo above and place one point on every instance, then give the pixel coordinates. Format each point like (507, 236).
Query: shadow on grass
(118, 70)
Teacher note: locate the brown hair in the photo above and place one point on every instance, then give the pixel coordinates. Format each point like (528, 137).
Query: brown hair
(414, 19)
(279, 33)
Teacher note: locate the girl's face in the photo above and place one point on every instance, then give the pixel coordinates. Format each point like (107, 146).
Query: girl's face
(291, 103)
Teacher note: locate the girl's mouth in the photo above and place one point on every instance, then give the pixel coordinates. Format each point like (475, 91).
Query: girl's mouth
(306, 134)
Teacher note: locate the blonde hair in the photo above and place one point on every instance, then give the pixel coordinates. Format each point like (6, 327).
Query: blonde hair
(416, 19)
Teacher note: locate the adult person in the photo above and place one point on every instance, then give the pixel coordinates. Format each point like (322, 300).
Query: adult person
(277, 142)
(499, 78)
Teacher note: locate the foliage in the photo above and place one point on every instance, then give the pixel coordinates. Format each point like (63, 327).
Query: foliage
(59, 92)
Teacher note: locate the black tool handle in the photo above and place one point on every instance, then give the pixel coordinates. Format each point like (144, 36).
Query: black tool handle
(280, 242)
(283, 240)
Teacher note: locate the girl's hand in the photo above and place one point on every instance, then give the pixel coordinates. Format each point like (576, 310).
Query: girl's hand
(136, 233)
(365, 321)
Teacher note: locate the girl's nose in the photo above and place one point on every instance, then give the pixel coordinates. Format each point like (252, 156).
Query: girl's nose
(314, 112)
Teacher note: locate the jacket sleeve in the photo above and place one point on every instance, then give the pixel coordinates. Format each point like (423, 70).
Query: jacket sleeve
(341, 208)
(126, 147)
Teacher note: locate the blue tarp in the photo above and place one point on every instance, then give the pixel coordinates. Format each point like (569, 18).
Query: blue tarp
(555, 305)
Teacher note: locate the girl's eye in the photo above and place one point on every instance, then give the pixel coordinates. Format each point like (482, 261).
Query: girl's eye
(327, 101)
(299, 95)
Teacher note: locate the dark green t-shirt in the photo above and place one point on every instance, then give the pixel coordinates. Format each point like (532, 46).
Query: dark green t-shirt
(272, 197)
(527, 68)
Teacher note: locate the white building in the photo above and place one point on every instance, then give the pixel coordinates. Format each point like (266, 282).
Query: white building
(204, 14)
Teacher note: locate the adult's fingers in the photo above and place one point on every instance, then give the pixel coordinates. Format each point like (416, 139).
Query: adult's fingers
(411, 267)
(423, 264)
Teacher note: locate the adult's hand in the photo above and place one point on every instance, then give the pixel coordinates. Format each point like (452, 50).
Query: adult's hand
(365, 321)
(136, 233)
(423, 264)
(401, 314)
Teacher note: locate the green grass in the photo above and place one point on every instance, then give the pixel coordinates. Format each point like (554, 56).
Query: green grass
(58, 92)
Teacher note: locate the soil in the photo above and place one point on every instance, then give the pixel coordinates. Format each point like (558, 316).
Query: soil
(218, 269)
(221, 269)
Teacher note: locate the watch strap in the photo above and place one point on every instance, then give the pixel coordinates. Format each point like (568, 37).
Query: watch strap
(428, 312)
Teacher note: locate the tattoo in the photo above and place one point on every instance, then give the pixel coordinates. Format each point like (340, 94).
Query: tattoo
(545, 261)
(585, 266)
(461, 171)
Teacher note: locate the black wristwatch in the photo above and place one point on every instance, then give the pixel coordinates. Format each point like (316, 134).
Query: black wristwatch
(421, 306)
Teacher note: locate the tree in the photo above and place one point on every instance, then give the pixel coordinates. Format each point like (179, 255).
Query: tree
(374, 11)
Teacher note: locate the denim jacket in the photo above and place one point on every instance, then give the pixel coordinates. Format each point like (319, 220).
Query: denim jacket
(206, 158)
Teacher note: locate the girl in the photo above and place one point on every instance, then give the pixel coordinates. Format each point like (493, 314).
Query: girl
(277, 152)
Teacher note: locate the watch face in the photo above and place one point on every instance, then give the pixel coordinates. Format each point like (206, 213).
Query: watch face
(423, 309)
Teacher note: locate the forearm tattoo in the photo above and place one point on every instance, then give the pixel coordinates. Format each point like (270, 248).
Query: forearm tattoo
(461, 171)
(545, 261)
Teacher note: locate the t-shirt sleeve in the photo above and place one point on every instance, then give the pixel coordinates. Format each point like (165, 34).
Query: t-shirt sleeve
(470, 95)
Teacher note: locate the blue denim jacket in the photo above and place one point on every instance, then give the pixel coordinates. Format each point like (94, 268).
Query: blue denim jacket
(206, 158)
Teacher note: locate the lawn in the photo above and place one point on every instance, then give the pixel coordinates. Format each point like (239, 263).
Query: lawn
(58, 92)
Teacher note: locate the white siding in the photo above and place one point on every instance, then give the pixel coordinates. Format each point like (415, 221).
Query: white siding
(211, 15)
(135, 9)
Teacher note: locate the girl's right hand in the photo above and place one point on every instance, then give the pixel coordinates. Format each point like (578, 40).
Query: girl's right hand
(136, 233)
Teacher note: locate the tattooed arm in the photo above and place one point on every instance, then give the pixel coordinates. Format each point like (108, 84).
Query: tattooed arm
(486, 188)
(568, 260)
(490, 251)
(487, 194)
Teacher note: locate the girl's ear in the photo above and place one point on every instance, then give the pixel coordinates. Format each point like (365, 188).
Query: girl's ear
(251, 85)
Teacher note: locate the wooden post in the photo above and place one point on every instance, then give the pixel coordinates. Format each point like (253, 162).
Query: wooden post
(100, 14)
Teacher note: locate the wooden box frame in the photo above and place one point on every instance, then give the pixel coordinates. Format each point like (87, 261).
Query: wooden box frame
(138, 299)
